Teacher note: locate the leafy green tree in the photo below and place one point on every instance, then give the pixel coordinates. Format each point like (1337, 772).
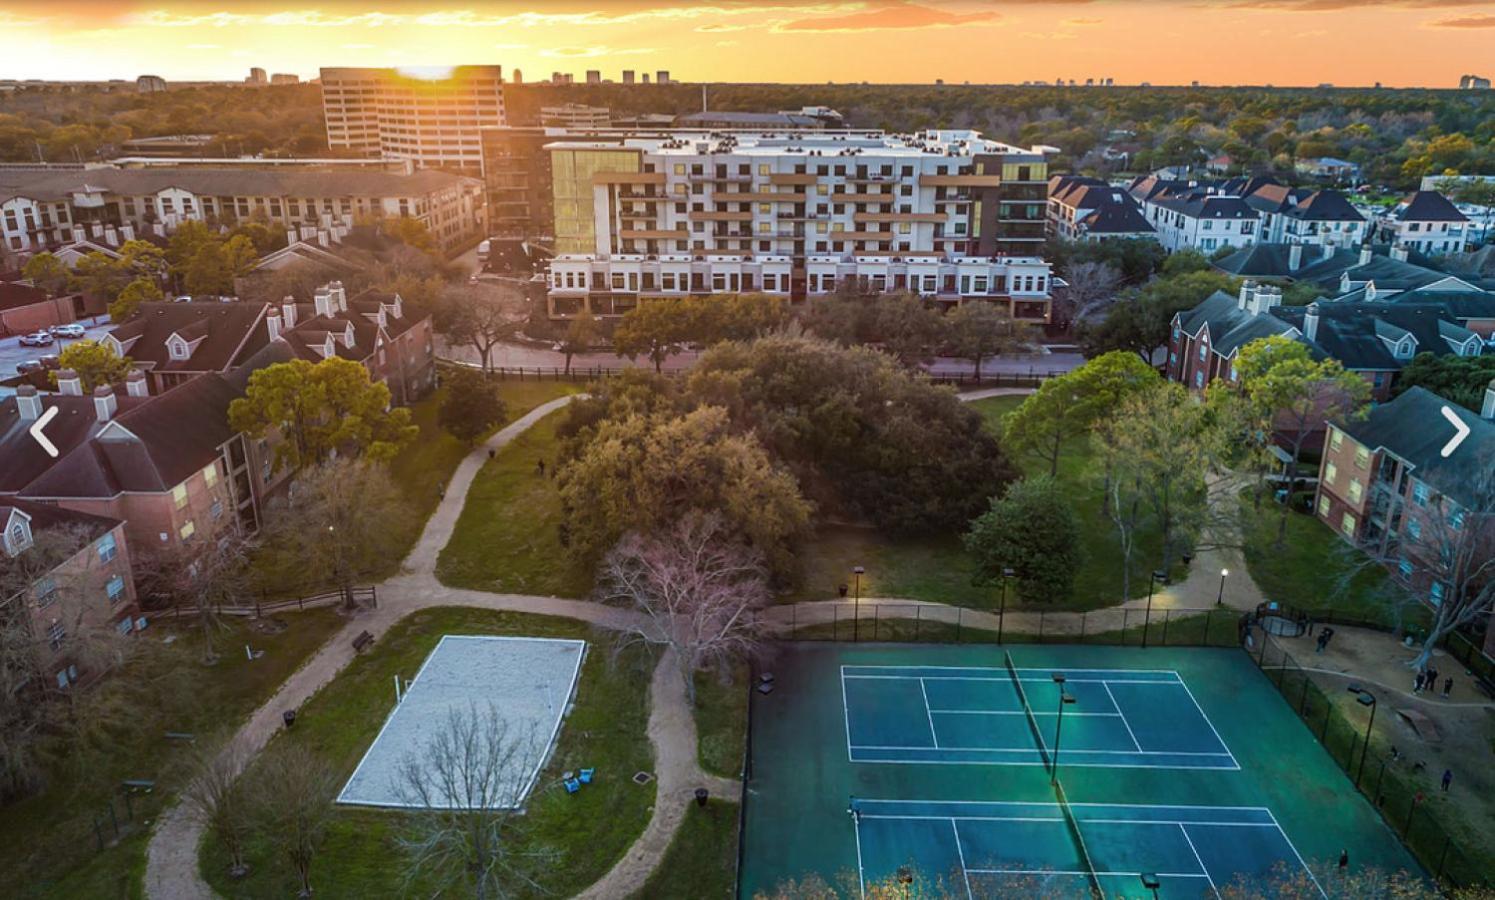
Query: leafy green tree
(582, 334)
(1182, 262)
(1461, 379)
(471, 407)
(654, 329)
(46, 272)
(141, 290)
(1065, 409)
(977, 330)
(318, 408)
(843, 320)
(411, 232)
(95, 362)
(907, 327)
(1142, 321)
(189, 237)
(737, 317)
(208, 271)
(143, 260)
(1032, 530)
(99, 276)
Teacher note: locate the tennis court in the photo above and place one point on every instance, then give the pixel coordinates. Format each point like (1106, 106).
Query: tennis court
(879, 762)
(1144, 718)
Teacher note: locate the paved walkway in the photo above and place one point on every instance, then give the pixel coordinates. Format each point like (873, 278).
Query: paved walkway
(172, 856)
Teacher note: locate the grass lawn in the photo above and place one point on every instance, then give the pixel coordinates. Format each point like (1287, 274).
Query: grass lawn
(721, 721)
(701, 863)
(507, 538)
(606, 729)
(47, 841)
(937, 568)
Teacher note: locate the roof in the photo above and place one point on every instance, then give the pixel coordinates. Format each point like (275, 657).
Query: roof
(75, 423)
(1117, 218)
(15, 296)
(228, 181)
(1230, 327)
(1325, 206)
(1401, 427)
(1429, 206)
(1200, 204)
(45, 517)
(309, 336)
(229, 333)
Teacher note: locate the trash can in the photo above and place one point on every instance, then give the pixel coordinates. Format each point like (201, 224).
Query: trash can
(289, 716)
(701, 795)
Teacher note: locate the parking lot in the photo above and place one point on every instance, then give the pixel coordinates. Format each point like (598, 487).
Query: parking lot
(12, 353)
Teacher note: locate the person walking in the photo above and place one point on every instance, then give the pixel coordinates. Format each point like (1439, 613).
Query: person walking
(1344, 861)
(1432, 679)
(1323, 640)
(1417, 683)
(1447, 779)
(1447, 687)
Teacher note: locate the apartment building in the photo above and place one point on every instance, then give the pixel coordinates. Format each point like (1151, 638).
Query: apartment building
(575, 115)
(1427, 223)
(946, 214)
(45, 208)
(1386, 485)
(517, 181)
(172, 343)
(90, 588)
(1240, 212)
(1089, 209)
(430, 118)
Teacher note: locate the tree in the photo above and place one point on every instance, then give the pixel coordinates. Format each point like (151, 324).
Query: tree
(202, 576)
(189, 237)
(411, 232)
(1033, 531)
(582, 334)
(342, 521)
(654, 329)
(463, 794)
(318, 408)
(219, 797)
(46, 272)
(841, 320)
(907, 327)
(95, 362)
(1182, 262)
(482, 316)
(141, 290)
(978, 330)
(99, 276)
(471, 407)
(699, 587)
(292, 797)
(1089, 288)
(1141, 321)
(1289, 395)
(639, 473)
(1461, 379)
(239, 256)
(737, 317)
(208, 271)
(1065, 408)
(143, 260)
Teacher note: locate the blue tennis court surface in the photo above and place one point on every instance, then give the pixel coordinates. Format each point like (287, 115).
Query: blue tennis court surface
(1121, 718)
(1004, 849)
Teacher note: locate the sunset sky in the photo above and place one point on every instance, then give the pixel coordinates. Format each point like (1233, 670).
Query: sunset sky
(1346, 42)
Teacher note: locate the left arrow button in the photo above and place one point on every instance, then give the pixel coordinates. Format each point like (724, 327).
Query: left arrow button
(36, 432)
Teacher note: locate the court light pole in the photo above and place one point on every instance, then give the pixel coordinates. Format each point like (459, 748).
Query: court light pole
(1220, 597)
(1151, 882)
(856, 610)
(1064, 698)
(1152, 580)
(1007, 574)
(1366, 698)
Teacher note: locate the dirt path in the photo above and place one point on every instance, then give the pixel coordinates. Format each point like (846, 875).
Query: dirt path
(172, 856)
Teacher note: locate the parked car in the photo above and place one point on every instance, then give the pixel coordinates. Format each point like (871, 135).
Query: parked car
(27, 366)
(39, 339)
(51, 362)
(70, 330)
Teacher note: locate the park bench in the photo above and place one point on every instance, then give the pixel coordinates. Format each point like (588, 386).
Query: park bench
(363, 640)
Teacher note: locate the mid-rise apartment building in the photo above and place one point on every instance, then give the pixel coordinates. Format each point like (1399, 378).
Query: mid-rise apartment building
(44, 208)
(945, 214)
(400, 114)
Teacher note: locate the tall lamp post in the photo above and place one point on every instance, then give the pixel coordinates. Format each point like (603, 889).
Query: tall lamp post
(1366, 698)
(1152, 580)
(1065, 698)
(1220, 597)
(856, 624)
(1007, 574)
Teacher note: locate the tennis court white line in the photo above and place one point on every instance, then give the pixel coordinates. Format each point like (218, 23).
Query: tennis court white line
(1077, 803)
(1173, 672)
(846, 713)
(1007, 680)
(1025, 749)
(1213, 889)
(933, 735)
(1086, 874)
(856, 830)
(965, 873)
(1124, 722)
(1067, 761)
(1060, 818)
(1017, 712)
(1207, 721)
(1294, 847)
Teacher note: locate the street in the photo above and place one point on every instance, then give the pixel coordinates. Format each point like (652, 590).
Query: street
(13, 354)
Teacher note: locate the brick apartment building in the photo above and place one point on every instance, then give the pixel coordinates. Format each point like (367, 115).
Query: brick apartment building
(172, 343)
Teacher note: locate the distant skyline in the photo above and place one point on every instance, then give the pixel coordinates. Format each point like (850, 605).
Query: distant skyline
(1400, 43)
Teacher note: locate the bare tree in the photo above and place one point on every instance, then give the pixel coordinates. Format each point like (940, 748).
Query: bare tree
(698, 587)
(292, 795)
(482, 316)
(219, 798)
(466, 790)
(203, 575)
(1089, 287)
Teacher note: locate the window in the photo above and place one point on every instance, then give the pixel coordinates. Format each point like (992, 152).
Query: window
(125, 625)
(1405, 567)
(1347, 525)
(210, 474)
(1323, 505)
(1202, 351)
(115, 588)
(1414, 528)
(1420, 493)
(46, 592)
(55, 635)
(1336, 437)
(1435, 593)
(18, 537)
(107, 549)
(187, 530)
(217, 508)
(179, 495)
(1331, 472)
(1456, 519)
(1357, 490)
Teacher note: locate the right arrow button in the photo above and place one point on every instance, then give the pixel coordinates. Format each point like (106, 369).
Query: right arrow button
(1461, 431)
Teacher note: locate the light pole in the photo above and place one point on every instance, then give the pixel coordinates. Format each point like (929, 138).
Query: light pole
(1220, 597)
(1366, 698)
(856, 625)
(1064, 698)
(1152, 580)
(1151, 882)
(1007, 574)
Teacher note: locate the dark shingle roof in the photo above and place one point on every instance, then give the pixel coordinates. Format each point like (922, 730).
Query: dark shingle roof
(242, 182)
(1413, 428)
(230, 333)
(1118, 218)
(45, 517)
(1325, 206)
(1430, 206)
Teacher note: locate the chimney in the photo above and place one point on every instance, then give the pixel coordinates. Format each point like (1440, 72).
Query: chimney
(339, 296)
(323, 237)
(112, 235)
(323, 300)
(127, 232)
(1311, 322)
(1266, 297)
(1399, 254)
(78, 233)
(272, 323)
(1487, 409)
(1295, 258)
(104, 403)
(1365, 255)
(69, 384)
(288, 312)
(135, 384)
(290, 237)
(1326, 250)
(29, 402)
(1248, 295)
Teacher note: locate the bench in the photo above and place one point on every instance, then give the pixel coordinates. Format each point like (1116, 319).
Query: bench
(363, 640)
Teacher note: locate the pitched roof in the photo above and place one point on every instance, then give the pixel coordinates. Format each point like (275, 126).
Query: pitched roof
(45, 517)
(238, 182)
(1117, 218)
(1325, 206)
(1413, 428)
(229, 333)
(1200, 204)
(1429, 206)
(23, 458)
(1230, 326)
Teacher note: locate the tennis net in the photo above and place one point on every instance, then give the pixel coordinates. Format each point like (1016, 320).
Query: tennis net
(1022, 696)
(1079, 839)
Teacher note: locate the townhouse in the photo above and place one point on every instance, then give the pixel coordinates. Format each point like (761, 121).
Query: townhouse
(945, 214)
(76, 569)
(1088, 209)
(1240, 212)
(46, 208)
(1200, 219)
(1426, 223)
